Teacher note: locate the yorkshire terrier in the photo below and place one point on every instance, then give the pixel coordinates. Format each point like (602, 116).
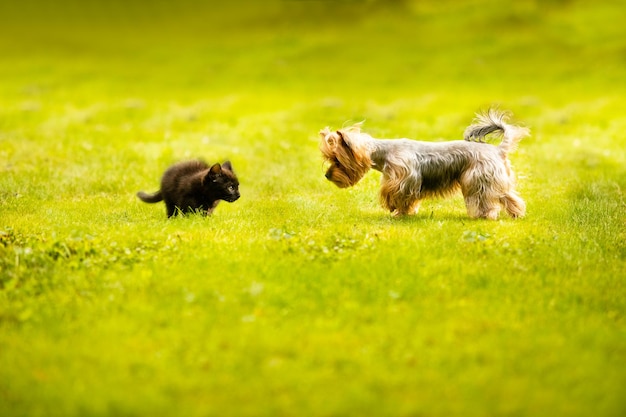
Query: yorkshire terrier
(413, 170)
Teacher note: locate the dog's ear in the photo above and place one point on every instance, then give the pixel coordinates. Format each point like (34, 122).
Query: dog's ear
(329, 143)
(344, 139)
(343, 150)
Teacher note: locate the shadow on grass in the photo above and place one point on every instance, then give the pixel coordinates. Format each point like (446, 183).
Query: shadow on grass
(383, 218)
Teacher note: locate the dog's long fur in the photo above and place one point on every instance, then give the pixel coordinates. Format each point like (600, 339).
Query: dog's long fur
(413, 170)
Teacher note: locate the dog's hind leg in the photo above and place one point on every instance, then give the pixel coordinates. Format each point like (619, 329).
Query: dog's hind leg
(513, 204)
(481, 205)
(490, 210)
(477, 208)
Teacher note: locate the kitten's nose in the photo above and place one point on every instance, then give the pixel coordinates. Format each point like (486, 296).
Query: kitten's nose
(327, 175)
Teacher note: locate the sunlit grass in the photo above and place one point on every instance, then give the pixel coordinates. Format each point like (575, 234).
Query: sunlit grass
(302, 298)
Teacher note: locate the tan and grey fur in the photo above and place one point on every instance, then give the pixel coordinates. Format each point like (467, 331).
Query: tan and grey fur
(414, 170)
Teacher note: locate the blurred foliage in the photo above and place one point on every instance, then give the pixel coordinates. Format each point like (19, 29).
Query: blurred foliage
(301, 298)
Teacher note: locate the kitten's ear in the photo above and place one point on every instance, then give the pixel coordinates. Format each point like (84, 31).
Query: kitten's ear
(227, 165)
(214, 171)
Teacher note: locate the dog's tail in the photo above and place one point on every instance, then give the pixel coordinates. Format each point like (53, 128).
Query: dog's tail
(150, 198)
(496, 121)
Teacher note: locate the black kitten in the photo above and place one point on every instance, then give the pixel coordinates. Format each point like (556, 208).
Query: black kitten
(194, 186)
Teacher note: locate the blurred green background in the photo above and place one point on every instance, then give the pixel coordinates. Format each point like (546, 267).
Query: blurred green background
(300, 298)
(371, 49)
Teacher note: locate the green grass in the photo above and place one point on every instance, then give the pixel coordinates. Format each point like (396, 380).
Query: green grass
(301, 298)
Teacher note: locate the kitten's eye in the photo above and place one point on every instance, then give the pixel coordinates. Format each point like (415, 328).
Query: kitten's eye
(231, 188)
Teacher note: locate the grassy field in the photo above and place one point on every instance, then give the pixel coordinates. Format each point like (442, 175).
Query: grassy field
(302, 299)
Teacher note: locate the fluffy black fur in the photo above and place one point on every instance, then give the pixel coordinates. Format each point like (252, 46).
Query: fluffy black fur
(193, 186)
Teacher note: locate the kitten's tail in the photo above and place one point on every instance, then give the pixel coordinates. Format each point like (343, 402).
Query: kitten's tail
(496, 121)
(150, 198)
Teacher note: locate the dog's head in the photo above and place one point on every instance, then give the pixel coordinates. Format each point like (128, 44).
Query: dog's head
(347, 154)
